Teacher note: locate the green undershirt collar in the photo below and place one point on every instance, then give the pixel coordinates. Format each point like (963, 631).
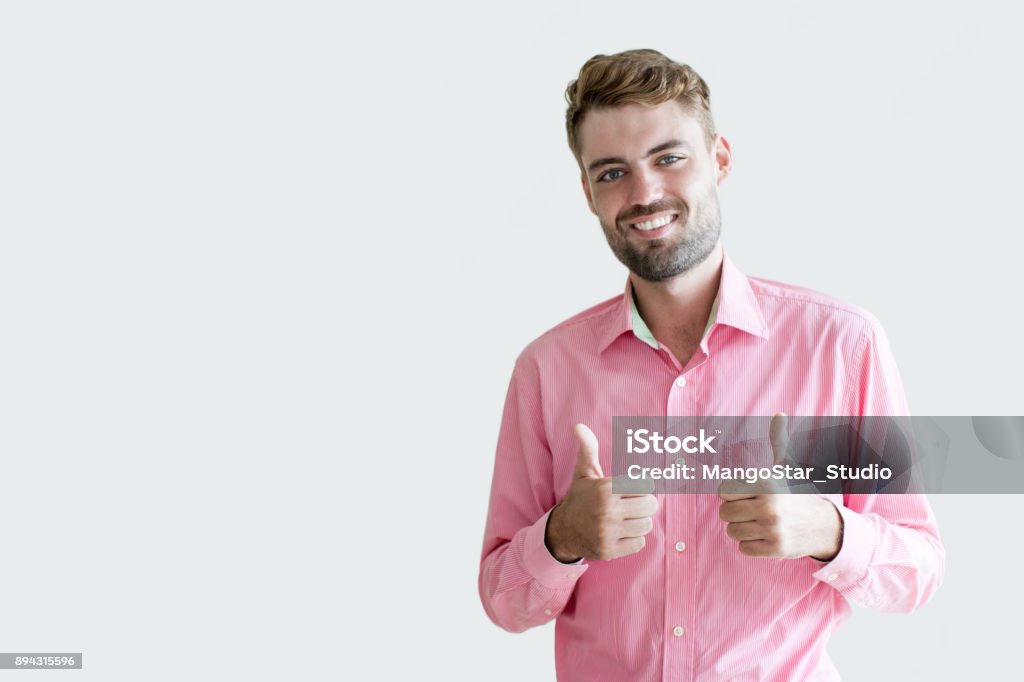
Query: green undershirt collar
(643, 332)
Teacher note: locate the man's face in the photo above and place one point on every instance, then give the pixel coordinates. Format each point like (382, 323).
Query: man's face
(652, 182)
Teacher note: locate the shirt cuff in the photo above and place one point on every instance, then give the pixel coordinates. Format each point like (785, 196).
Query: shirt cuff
(544, 568)
(850, 565)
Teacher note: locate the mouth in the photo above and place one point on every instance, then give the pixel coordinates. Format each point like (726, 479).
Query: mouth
(656, 226)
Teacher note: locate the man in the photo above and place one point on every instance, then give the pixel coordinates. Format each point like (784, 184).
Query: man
(741, 586)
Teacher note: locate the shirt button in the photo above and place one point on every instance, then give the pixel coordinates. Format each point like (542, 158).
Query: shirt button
(680, 382)
(680, 546)
(547, 612)
(680, 461)
(678, 631)
(572, 576)
(831, 577)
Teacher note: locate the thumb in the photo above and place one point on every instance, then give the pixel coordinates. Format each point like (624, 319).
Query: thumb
(587, 463)
(778, 433)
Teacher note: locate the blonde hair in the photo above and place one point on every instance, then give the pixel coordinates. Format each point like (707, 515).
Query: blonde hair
(635, 77)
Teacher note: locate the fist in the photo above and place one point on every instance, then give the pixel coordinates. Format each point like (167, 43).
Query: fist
(592, 522)
(769, 522)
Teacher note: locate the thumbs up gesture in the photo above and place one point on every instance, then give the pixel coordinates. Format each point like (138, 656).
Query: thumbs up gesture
(592, 522)
(770, 523)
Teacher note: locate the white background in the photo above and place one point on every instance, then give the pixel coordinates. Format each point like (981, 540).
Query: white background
(265, 268)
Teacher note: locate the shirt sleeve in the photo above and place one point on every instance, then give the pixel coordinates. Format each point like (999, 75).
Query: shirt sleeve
(521, 584)
(892, 558)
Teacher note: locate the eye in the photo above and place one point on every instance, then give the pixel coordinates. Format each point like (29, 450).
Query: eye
(670, 159)
(609, 175)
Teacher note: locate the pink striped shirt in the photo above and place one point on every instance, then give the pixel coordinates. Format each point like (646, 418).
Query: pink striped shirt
(690, 606)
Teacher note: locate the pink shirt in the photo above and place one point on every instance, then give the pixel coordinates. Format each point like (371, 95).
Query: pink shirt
(690, 606)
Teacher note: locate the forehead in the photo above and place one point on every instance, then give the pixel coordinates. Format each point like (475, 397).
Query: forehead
(630, 130)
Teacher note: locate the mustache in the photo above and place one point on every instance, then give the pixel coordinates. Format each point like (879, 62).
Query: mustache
(637, 210)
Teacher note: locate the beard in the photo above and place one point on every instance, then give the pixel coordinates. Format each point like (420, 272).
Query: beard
(657, 260)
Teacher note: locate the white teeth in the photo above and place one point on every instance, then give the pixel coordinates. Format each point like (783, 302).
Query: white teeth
(653, 224)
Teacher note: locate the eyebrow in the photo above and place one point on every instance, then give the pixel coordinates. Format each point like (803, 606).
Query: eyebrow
(608, 160)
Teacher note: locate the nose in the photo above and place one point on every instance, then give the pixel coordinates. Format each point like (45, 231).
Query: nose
(645, 188)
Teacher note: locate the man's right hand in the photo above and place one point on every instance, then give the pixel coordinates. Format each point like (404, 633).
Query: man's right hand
(592, 522)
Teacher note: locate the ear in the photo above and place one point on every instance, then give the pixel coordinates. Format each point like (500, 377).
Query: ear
(586, 192)
(723, 159)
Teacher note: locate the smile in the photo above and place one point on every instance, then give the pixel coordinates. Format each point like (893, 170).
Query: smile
(655, 227)
(648, 225)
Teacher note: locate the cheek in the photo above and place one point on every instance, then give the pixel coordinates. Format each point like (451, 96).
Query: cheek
(607, 213)
(695, 181)
(606, 201)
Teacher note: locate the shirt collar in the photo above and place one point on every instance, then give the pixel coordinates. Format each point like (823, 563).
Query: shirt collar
(739, 307)
(640, 328)
(735, 306)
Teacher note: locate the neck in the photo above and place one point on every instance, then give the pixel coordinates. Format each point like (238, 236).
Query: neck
(682, 304)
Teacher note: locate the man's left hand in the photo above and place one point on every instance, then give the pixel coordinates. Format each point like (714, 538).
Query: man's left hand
(769, 522)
